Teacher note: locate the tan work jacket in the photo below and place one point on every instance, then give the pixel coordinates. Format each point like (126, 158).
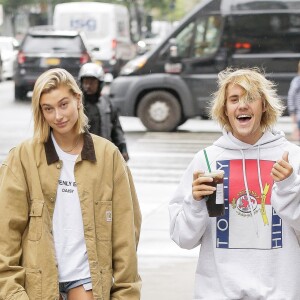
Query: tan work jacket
(110, 213)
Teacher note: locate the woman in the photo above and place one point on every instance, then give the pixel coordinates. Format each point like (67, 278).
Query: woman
(69, 214)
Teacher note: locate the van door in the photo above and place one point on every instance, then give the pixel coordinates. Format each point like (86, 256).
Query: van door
(202, 55)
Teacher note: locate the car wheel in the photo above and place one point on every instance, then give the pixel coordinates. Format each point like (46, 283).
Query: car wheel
(20, 93)
(159, 111)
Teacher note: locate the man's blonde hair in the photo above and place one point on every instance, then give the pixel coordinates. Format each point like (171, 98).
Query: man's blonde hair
(46, 82)
(254, 83)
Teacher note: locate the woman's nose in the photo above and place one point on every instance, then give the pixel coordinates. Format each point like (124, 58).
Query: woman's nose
(58, 114)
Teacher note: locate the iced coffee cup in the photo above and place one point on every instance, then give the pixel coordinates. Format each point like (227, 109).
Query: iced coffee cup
(215, 202)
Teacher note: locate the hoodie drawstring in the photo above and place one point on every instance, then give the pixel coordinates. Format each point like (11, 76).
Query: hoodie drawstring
(247, 190)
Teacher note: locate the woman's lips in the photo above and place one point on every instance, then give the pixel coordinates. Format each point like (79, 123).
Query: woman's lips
(62, 124)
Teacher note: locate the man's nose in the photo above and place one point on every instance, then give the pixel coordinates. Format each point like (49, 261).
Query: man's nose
(86, 86)
(243, 104)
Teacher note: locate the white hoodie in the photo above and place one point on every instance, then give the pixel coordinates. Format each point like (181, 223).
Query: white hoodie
(245, 254)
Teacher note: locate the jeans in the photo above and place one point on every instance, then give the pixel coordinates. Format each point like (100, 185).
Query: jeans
(64, 287)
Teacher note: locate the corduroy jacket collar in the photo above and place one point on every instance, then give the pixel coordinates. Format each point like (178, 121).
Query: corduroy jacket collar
(87, 153)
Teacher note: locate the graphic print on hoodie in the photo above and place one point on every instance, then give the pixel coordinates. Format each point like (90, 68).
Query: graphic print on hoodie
(257, 215)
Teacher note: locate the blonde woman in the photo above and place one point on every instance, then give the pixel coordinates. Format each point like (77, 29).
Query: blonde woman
(249, 244)
(69, 215)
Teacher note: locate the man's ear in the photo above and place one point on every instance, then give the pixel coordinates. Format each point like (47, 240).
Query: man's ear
(264, 106)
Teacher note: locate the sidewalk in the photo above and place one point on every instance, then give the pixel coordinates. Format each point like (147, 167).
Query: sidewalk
(167, 271)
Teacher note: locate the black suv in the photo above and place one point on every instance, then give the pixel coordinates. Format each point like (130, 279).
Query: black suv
(44, 48)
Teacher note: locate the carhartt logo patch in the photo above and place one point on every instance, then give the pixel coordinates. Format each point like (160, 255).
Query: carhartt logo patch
(108, 216)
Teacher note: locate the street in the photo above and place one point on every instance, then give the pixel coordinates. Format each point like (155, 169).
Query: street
(157, 161)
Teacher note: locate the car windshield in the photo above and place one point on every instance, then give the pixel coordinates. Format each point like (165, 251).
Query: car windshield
(50, 44)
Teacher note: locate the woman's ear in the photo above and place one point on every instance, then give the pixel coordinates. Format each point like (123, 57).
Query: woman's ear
(79, 101)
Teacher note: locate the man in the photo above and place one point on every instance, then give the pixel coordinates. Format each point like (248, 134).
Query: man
(246, 251)
(103, 117)
(294, 103)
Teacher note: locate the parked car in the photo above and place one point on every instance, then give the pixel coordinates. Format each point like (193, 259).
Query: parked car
(9, 50)
(175, 81)
(44, 48)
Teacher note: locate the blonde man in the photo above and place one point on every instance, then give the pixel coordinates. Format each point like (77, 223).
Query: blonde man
(69, 215)
(246, 249)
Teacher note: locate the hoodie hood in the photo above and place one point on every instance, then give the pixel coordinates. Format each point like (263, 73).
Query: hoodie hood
(269, 139)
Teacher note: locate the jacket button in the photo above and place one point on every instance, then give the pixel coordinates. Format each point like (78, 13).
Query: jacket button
(58, 166)
(52, 199)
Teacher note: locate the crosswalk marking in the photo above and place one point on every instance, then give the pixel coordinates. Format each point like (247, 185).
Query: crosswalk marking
(163, 157)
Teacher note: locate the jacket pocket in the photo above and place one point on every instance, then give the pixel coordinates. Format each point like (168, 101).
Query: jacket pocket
(103, 220)
(107, 282)
(35, 220)
(33, 284)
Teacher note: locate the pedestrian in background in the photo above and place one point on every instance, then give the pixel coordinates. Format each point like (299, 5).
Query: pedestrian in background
(294, 104)
(69, 215)
(246, 250)
(103, 116)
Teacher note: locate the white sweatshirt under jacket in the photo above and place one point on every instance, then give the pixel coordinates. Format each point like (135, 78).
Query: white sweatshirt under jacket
(252, 252)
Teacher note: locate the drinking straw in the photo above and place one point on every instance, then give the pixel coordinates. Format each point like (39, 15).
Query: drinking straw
(207, 162)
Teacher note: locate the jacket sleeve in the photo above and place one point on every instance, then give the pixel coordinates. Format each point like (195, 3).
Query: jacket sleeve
(13, 221)
(188, 217)
(292, 95)
(117, 133)
(125, 234)
(136, 209)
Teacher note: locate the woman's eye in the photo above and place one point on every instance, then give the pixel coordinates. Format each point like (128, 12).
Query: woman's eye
(47, 109)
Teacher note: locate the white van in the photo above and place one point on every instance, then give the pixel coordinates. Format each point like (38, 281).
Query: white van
(107, 27)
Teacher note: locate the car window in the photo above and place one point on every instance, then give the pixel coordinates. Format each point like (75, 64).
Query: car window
(207, 36)
(37, 44)
(266, 33)
(184, 40)
(200, 37)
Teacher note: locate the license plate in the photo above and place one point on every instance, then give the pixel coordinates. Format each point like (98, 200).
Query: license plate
(52, 61)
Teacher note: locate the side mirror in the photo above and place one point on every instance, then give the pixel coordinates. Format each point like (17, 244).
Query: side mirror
(173, 51)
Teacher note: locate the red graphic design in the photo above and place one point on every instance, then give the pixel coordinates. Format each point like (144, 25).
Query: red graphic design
(237, 185)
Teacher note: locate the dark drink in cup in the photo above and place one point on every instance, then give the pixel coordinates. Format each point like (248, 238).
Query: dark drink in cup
(215, 202)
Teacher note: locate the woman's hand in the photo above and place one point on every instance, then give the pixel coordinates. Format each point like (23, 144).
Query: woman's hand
(282, 168)
(201, 187)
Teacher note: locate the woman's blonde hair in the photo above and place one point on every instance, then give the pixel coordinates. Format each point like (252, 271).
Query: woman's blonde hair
(254, 83)
(46, 82)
